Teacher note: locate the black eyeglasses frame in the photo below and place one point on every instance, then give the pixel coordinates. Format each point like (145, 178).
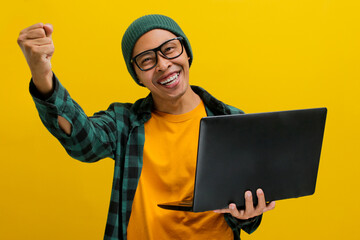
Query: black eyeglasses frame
(158, 49)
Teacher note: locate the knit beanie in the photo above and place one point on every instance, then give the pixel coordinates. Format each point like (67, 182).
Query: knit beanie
(143, 25)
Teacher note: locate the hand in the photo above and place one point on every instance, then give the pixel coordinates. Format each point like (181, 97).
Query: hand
(250, 211)
(37, 46)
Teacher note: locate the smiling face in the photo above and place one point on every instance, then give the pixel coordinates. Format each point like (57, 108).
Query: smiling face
(168, 81)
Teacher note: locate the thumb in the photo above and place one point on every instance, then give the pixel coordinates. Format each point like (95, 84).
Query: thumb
(48, 29)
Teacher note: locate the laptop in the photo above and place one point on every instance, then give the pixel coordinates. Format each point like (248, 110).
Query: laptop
(278, 152)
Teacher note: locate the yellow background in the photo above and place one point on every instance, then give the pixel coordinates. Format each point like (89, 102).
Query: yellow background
(258, 55)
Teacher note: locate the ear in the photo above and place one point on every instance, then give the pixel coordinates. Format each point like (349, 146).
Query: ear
(141, 83)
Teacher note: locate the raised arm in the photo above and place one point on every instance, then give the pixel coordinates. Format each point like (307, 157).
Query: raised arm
(37, 46)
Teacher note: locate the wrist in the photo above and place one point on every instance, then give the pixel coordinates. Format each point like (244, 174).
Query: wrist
(43, 82)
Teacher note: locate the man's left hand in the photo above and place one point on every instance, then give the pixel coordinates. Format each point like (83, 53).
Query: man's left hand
(250, 211)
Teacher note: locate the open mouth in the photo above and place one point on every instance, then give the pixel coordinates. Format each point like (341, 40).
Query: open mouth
(171, 79)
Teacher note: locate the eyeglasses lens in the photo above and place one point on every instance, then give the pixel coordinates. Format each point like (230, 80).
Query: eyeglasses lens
(170, 50)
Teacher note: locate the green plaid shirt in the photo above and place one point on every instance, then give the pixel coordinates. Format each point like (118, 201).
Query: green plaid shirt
(117, 133)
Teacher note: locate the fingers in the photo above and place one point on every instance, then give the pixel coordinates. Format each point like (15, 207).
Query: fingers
(250, 211)
(35, 35)
(269, 206)
(224, 210)
(36, 31)
(35, 48)
(44, 51)
(48, 29)
(261, 201)
(232, 209)
(32, 27)
(39, 41)
(235, 212)
(38, 48)
(262, 206)
(249, 204)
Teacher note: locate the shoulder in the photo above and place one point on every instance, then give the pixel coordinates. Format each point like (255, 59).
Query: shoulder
(234, 110)
(215, 106)
(131, 113)
(120, 108)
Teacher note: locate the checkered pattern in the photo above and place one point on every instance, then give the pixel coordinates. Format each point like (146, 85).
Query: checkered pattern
(117, 133)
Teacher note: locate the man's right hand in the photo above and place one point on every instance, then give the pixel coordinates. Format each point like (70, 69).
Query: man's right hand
(37, 46)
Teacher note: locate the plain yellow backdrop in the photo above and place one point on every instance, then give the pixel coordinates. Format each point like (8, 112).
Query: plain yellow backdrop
(258, 55)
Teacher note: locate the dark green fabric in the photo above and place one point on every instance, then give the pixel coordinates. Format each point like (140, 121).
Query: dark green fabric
(117, 133)
(143, 25)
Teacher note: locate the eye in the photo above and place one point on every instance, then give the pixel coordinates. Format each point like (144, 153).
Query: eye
(143, 61)
(168, 49)
(171, 48)
(146, 59)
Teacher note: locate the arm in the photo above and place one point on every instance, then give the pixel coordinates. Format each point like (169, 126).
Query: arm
(37, 46)
(84, 138)
(91, 138)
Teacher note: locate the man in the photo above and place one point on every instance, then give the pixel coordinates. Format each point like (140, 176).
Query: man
(158, 56)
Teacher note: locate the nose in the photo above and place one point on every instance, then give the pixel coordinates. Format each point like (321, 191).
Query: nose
(162, 63)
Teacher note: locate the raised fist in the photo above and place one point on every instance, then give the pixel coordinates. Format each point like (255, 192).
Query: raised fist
(38, 48)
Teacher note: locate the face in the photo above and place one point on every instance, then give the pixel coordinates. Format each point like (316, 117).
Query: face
(169, 79)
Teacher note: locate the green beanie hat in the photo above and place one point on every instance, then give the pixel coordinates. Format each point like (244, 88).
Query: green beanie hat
(143, 25)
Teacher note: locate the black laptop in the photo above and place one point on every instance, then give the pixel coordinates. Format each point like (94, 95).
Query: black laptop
(276, 151)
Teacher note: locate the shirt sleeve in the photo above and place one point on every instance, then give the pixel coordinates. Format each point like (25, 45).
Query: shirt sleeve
(249, 226)
(91, 138)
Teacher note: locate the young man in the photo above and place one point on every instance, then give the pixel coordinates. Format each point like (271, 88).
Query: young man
(158, 56)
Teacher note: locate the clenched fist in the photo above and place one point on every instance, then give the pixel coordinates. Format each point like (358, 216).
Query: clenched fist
(38, 48)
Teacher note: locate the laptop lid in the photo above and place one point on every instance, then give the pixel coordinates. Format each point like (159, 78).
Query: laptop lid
(276, 151)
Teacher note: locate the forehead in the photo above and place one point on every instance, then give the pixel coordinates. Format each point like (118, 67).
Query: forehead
(151, 39)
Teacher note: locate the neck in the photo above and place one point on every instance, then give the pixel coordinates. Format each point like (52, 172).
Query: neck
(187, 102)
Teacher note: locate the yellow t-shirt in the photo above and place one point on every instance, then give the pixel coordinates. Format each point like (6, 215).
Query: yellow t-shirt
(167, 175)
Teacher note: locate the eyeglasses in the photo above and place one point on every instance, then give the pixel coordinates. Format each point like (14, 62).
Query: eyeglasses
(170, 49)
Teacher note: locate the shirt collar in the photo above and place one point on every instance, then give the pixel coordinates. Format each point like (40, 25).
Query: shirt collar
(143, 107)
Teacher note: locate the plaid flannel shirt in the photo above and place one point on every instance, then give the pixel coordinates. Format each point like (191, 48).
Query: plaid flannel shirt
(117, 133)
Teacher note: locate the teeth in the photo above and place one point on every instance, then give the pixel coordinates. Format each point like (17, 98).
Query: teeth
(170, 79)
